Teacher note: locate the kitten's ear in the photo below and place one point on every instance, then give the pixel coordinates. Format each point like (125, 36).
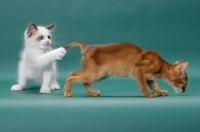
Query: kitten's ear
(31, 29)
(178, 62)
(181, 68)
(51, 26)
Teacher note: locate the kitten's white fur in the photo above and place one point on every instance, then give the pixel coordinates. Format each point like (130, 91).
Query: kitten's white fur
(38, 60)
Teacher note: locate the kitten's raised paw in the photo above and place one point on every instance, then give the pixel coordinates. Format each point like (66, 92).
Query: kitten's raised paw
(45, 90)
(164, 92)
(60, 53)
(17, 88)
(68, 94)
(94, 93)
(54, 87)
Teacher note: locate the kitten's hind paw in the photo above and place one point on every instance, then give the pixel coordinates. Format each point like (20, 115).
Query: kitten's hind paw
(45, 90)
(54, 87)
(68, 94)
(17, 88)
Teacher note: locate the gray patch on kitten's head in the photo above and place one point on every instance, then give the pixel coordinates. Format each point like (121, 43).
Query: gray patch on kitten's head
(50, 27)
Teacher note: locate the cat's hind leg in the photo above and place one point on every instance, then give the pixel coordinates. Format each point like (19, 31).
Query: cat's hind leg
(21, 80)
(18, 87)
(21, 84)
(83, 76)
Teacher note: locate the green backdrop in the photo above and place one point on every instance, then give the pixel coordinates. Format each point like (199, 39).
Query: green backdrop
(171, 27)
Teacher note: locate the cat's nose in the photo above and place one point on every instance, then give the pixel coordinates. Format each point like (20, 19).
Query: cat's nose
(48, 42)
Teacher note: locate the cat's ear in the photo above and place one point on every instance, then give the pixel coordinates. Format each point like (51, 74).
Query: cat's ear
(32, 28)
(51, 27)
(181, 68)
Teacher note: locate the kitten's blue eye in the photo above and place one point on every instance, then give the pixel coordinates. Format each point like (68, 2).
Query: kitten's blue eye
(49, 37)
(41, 37)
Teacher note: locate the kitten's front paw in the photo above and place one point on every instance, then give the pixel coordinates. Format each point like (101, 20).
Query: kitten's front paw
(60, 52)
(164, 92)
(151, 95)
(68, 94)
(54, 87)
(94, 93)
(45, 90)
(17, 88)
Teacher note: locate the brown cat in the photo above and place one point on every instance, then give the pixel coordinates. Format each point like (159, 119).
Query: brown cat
(126, 60)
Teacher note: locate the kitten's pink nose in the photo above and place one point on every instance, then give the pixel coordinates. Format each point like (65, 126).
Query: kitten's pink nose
(48, 42)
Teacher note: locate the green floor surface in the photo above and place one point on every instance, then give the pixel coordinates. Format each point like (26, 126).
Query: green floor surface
(120, 107)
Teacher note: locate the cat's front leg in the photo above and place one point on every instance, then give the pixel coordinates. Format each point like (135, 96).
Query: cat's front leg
(142, 84)
(59, 53)
(54, 86)
(47, 58)
(45, 89)
(154, 86)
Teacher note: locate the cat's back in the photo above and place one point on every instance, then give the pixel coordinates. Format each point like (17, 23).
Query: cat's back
(119, 48)
(114, 49)
(110, 54)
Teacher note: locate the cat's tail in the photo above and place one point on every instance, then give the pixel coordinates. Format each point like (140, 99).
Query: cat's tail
(74, 44)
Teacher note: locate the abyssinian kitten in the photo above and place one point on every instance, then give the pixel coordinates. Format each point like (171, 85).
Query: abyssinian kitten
(38, 59)
(126, 60)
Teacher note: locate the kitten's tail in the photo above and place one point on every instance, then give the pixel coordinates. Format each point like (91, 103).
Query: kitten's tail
(74, 44)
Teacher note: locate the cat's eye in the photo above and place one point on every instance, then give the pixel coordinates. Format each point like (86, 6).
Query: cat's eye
(185, 83)
(41, 37)
(49, 37)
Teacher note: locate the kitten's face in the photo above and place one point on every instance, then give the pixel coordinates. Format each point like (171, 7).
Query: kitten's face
(178, 77)
(38, 36)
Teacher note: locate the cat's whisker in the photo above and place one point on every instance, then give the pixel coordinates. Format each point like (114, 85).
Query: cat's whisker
(55, 45)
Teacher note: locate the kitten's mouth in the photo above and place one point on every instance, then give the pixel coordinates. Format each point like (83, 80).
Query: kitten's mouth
(47, 44)
(178, 90)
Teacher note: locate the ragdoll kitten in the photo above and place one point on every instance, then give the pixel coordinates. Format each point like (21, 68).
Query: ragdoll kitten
(38, 59)
(126, 60)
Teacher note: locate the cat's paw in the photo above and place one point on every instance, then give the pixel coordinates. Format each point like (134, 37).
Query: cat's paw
(94, 93)
(60, 52)
(54, 86)
(17, 87)
(164, 92)
(151, 95)
(45, 90)
(68, 94)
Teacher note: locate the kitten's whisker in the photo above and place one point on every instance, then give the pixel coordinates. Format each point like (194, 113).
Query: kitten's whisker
(54, 45)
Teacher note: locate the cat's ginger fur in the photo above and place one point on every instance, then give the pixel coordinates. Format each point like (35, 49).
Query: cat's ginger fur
(126, 60)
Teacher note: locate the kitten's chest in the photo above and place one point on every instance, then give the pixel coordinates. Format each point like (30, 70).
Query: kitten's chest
(32, 56)
(37, 74)
(34, 53)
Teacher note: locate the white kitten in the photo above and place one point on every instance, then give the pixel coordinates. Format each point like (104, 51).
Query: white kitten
(38, 59)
